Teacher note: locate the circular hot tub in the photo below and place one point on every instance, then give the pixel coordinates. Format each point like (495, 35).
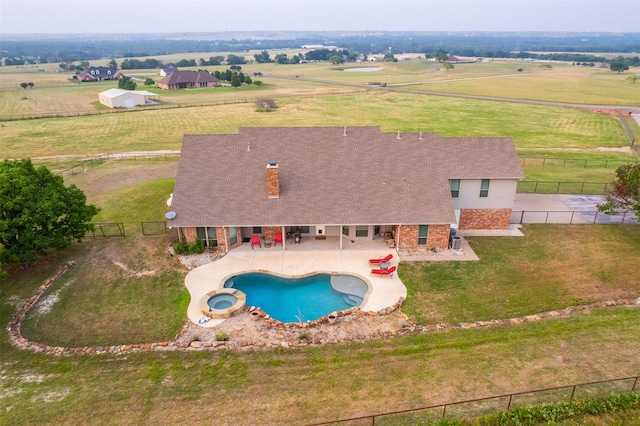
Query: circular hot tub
(222, 303)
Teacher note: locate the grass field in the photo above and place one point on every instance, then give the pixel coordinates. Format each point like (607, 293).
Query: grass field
(131, 290)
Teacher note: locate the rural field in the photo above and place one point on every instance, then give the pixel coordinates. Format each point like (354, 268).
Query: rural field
(131, 289)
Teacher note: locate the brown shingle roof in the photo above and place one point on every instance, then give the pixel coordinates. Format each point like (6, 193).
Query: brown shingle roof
(328, 178)
(177, 77)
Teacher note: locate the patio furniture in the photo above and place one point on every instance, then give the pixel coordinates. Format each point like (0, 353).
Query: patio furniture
(380, 260)
(278, 239)
(298, 239)
(388, 272)
(267, 243)
(255, 241)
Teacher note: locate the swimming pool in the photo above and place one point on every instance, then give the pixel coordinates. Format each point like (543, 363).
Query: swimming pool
(300, 299)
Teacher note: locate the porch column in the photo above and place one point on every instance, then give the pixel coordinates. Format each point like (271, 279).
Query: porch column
(340, 236)
(398, 238)
(226, 240)
(284, 236)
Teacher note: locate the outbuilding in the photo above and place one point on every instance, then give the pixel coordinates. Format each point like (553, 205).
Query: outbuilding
(119, 98)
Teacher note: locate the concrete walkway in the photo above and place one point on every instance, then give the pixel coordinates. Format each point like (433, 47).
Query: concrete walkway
(384, 291)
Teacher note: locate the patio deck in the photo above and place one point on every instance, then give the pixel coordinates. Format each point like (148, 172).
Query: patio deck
(299, 259)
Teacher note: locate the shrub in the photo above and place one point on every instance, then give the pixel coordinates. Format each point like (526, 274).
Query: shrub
(266, 104)
(196, 247)
(221, 336)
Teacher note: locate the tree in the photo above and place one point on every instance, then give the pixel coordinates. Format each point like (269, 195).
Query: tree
(112, 64)
(281, 58)
(447, 65)
(38, 212)
(235, 81)
(216, 60)
(625, 196)
(149, 82)
(619, 65)
(262, 57)
(388, 57)
(127, 84)
(247, 80)
(336, 59)
(24, 85)
(30, 84)
(235, 60)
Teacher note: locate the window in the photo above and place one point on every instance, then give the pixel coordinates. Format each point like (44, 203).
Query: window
(345, 230)
(257, 229)
(362, 231)
(423, 232)
(304, 229)
(484, 188)
(455, 187)
(200, 234)
(233, 236)
(212, 235)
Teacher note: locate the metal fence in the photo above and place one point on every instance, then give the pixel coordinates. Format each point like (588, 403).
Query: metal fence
(154, 228)
(573, 162)
(83, 166)
(103, 230)
(542, 187)
(572, 217)
(474, 408)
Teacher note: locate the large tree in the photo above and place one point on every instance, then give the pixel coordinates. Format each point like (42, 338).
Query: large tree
(38, 212)
(619, 64)
(625, 196)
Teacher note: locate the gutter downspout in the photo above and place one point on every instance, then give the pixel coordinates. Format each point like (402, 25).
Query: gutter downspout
(226, 240)
(284, 237)
(398, 238)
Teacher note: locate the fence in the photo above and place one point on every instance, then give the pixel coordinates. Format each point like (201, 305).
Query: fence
(572, 217)
(82, 166)
(481, 406)
(542, 187)
(573, 162)
(154, 228)
(102, 230)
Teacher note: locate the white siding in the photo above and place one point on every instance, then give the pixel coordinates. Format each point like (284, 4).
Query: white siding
(501, 194)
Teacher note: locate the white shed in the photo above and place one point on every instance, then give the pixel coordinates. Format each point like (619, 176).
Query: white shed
(119, 98)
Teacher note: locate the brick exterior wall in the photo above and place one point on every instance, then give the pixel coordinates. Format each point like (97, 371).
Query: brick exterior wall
(484, 219)
(438, 237)
(222, 235)
(273, 181)
(270, 232)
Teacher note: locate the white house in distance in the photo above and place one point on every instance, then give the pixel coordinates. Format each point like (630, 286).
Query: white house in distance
(119, 98)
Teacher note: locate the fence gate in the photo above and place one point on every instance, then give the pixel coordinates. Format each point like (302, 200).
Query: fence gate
(107, 230)
(154, 228)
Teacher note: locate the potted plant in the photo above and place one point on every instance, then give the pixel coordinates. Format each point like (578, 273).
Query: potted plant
(254, 315)
(332, 318)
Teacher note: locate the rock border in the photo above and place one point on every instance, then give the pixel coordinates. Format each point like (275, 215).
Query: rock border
(20, 342)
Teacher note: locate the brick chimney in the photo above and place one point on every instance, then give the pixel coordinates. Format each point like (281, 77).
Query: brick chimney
(273, 181)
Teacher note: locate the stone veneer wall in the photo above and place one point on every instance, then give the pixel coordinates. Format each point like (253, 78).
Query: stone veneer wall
(484, 219)
(438, 237)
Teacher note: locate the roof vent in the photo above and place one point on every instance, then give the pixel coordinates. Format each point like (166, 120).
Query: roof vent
(420, 135)
(399, 135)
(248, 147)
(345, 131)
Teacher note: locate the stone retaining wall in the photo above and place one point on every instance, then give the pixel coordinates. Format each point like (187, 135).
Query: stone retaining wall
(17, 340)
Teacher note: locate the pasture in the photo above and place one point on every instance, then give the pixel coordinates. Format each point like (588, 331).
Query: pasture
(111, 297)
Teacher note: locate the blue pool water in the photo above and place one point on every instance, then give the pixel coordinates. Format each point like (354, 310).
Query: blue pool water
(311, 297)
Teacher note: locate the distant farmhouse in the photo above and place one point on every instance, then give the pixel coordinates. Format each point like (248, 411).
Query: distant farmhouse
(99, 74)
(167, 70)
(119, 98)
(188, 80)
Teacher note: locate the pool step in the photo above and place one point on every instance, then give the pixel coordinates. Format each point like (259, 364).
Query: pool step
(352, 300)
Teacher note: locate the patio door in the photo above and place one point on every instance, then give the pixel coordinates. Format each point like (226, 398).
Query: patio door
(233, 236)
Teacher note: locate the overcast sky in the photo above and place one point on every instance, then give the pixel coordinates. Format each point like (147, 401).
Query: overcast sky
(153, 16)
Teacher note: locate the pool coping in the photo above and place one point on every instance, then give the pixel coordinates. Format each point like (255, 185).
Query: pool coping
(384, 291)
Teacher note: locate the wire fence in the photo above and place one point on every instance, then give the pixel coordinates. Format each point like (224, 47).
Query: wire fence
(572, 217)
(474, 408)
(542, 187)
(573, 162)
(154, 228)
(105, 230)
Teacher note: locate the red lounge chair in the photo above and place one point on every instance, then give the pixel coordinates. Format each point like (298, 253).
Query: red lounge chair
(381, 260)
(389, 271)
(255, 241)
(278, 239)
